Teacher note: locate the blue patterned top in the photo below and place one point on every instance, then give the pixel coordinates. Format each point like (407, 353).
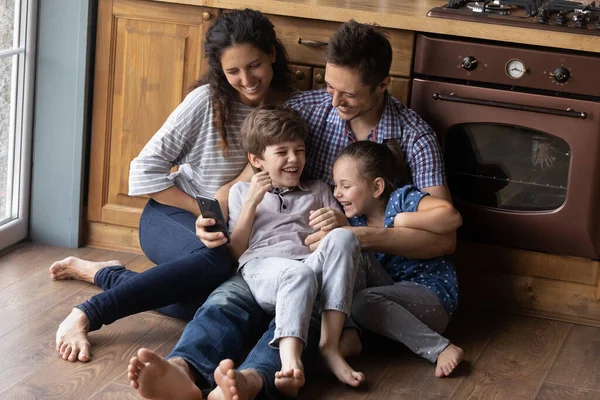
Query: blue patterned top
(437, 274)
(329, 134)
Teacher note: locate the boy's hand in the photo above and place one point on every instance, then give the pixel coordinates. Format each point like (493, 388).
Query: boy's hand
(312, 241)
(259, 185)
(326, 219)
(210, 239)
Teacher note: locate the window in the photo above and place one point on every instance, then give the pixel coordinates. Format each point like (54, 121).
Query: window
(17, 34)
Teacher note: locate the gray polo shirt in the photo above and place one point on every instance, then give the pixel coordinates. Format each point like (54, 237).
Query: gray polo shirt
(281, 221)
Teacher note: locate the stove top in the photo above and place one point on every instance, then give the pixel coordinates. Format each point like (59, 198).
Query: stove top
(557, 15)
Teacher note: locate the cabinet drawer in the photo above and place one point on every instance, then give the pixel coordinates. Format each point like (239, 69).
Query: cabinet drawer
(306, 40)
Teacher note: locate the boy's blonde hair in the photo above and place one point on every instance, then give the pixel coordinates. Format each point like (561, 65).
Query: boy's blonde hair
(269, 125)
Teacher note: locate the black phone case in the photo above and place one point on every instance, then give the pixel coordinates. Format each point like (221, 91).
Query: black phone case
(210, 208)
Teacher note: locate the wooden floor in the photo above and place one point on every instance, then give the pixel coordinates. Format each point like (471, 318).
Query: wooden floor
(508, 356)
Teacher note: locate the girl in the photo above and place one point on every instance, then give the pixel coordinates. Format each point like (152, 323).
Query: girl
(371, 184)
(247, 67)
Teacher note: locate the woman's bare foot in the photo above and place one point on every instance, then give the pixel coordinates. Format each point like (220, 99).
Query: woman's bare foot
(350, 343)
(76, 268)
(289, 381)
(448, 360)
(71, 337)
(235, 385)
(339, 366)
(159, 379)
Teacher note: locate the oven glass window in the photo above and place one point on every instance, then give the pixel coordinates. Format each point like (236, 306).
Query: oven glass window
(506, 167)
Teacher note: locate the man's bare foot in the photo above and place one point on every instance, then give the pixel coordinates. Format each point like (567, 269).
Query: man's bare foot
(339, 366)
(288, 381)
(350, 343)
(71, 337)
(159, 379)
(235, 385)
(76, 268)
(448, 360)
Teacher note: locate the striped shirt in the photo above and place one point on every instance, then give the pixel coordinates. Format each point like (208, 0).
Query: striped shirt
(329, 134)
(188, 139)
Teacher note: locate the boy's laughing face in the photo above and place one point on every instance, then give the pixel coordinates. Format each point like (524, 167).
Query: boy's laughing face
(283, 161)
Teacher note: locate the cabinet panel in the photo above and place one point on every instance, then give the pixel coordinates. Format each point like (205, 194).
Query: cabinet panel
(302, 77)
(144, 68)
(400, 88)
(306, 41)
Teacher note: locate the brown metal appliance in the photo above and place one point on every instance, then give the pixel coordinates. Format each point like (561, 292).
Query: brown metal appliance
(520, 132)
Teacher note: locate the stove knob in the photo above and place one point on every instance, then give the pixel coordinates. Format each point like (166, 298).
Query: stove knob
(469, 63)
(561, 75)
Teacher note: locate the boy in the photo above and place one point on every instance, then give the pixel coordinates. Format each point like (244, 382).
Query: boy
(269, 221)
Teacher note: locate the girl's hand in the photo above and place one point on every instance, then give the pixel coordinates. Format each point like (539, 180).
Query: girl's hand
(326, 219)
(259, 185)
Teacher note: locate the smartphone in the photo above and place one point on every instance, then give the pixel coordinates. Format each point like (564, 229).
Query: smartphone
(210, 208)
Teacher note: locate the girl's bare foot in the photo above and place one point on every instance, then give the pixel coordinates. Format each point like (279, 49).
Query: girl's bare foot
(350, 343)
(288, 381)
(235, 385)
(158, 379)
(448, 360)
(76, 268)
(71, 337)
(339, 366)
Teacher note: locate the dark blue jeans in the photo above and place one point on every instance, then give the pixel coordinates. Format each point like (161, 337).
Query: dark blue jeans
(230, 320)
(185, 274)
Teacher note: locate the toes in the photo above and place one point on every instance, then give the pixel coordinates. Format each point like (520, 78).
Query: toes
(84, 353)
(439, 372)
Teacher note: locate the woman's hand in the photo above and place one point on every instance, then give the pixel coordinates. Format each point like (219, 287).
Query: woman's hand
(326, 219)
(210, 239)
(259, 185)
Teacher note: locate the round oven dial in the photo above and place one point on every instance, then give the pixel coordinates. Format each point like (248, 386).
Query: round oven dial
(515, 69)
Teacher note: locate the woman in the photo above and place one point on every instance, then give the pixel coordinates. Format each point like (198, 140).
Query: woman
(247, 68)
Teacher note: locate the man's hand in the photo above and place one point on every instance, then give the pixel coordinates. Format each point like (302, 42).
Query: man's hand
(313, 240)
(259, 185)
(326, 219)
(210, 239)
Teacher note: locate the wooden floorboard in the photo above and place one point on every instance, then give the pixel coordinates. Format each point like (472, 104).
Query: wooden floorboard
(508, 356)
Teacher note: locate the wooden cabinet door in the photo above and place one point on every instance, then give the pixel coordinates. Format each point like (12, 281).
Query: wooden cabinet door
(147, 56)
(400, 88)
(302, 77)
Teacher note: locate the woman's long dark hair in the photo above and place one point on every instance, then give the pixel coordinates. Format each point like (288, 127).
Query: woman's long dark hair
(239, 27)
(374, 160)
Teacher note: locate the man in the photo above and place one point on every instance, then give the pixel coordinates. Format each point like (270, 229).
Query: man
(356, 106)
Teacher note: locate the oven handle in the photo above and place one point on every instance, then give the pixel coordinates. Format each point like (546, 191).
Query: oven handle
(569, 112)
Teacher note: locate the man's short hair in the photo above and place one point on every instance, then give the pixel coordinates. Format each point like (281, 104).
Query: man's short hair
(269, 125)
(362, 47)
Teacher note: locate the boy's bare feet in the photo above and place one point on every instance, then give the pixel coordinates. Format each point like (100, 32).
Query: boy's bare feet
(71, 337)
(448, 360)
(339, 366)
(235, 385)
(76, 268)
(158, 379)
(288, 381)
(350, 343)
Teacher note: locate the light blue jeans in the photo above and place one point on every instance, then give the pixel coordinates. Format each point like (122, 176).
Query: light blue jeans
(288, 287)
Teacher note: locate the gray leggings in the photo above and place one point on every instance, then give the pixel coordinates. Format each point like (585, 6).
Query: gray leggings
(403, 311)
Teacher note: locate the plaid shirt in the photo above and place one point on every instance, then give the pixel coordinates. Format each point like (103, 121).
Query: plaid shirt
(329, 134)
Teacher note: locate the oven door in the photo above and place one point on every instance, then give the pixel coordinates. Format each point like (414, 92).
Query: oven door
(523, 169)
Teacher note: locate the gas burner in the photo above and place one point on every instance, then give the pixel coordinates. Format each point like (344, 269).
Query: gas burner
(488, 6)
(543, 16)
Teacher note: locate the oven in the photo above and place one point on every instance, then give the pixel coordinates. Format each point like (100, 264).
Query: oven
(520, 133)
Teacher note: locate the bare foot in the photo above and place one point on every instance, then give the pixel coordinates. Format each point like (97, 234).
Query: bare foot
(288, 381)
(340, 367)
(448, 360)
(76, 268)
(350, 343)
(71, 337)
(235, 385)
(158, 379)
